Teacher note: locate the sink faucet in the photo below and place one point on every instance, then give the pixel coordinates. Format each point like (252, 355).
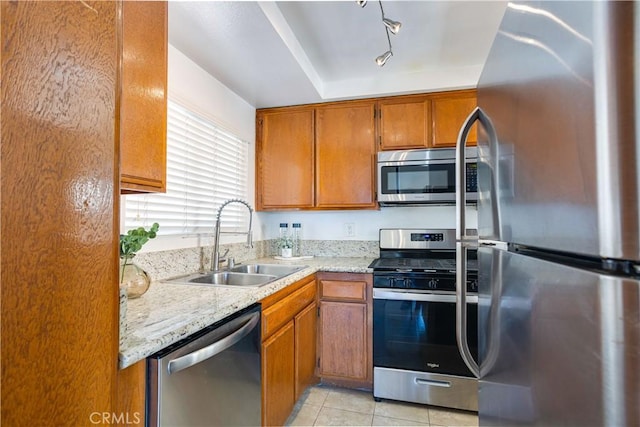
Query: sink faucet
(215, 258)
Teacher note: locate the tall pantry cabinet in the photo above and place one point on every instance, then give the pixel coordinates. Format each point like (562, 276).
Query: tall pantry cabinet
(59, 186)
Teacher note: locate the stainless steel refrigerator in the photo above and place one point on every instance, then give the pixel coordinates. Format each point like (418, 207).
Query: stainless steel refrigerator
(558, 221)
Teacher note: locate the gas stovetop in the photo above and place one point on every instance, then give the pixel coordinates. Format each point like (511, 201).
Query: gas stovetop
(419, 250)
(419, 264)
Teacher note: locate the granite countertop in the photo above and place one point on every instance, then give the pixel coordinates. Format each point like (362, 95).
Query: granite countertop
(169, 312)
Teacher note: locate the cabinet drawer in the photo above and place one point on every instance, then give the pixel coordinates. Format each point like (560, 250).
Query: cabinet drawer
(343, 290)
(281, 312)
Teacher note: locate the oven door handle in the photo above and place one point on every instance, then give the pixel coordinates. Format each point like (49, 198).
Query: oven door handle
(402, 295)
(436, 383)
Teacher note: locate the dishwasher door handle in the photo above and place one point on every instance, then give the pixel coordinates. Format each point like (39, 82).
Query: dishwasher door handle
(188, 360)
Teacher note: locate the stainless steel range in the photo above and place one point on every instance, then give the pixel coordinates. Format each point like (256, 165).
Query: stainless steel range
(415, 355)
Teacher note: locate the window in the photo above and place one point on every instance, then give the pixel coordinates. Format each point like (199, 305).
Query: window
(206, 165)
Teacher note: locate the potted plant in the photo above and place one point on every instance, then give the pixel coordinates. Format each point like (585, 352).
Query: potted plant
(285, 243)
(135, 280)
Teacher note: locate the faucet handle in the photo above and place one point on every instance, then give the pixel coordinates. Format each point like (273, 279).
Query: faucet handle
(222, 258)
(231, 262)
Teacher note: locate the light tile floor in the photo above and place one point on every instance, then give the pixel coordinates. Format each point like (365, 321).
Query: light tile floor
(324, 405)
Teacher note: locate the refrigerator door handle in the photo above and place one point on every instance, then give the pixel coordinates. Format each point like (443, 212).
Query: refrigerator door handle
(461, 308)
(494, 244)
(477, 115)
(463, 241)
(461, 174)
(494, 326)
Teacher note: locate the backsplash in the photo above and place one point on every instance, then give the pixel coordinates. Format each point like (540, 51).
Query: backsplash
(338, 248)
(165, 264)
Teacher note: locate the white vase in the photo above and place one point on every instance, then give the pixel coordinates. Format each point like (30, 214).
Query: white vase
(285, 252)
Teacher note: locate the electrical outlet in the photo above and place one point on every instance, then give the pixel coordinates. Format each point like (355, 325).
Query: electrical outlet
(349, 229)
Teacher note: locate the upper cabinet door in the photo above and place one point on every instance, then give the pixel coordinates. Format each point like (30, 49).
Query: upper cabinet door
(425, 121)
(345, 155)
(449, 111)
(284, 159)
(143, 111)
(405, 123)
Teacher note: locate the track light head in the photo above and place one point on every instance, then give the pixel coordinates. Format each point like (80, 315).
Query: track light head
(393, 26)
(389, 25)
(382, 59)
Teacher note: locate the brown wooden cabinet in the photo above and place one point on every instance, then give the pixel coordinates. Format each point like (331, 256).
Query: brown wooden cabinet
(316, 157)
(285, 158)
(131, 396)
(278, 376)
(322, 156)
(345, 155)
(405, 122)
(425, 121)
(59, 264)
(305, 348)
(449, 111)
(288, 348)
(345, 329)
(143, 110)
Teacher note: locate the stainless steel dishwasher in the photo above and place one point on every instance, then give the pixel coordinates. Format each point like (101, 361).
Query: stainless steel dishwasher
(211, 378)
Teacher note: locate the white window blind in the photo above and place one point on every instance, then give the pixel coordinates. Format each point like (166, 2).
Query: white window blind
(206, 165)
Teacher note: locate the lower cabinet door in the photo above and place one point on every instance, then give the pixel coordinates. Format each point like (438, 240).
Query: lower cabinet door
(278, 376)
(344, 340)
(305, 348)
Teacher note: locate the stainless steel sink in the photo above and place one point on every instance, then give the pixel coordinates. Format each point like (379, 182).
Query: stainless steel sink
(272, 269)
(247, 275)
(225, 278)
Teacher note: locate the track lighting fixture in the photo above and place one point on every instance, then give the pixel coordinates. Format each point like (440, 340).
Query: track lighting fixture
(389, 25)
(393, 26)
(382, 59)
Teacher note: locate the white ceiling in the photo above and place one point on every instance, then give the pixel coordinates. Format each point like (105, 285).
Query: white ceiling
(297, 52)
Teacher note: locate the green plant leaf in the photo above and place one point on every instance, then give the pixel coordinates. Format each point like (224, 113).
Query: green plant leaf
(133, 241)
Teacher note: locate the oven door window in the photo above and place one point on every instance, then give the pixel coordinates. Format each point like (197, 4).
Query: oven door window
(418, 179)
(421, 336)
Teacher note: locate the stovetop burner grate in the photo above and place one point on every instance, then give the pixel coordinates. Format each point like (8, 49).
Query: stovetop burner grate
(420, 264)
(426, 264)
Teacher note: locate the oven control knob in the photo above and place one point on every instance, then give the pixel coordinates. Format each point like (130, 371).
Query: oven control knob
(433, 283)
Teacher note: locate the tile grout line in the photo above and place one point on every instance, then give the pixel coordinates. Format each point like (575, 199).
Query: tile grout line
(323, 405)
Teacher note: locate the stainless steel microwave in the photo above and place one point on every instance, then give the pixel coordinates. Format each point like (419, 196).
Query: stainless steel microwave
(424, 176)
